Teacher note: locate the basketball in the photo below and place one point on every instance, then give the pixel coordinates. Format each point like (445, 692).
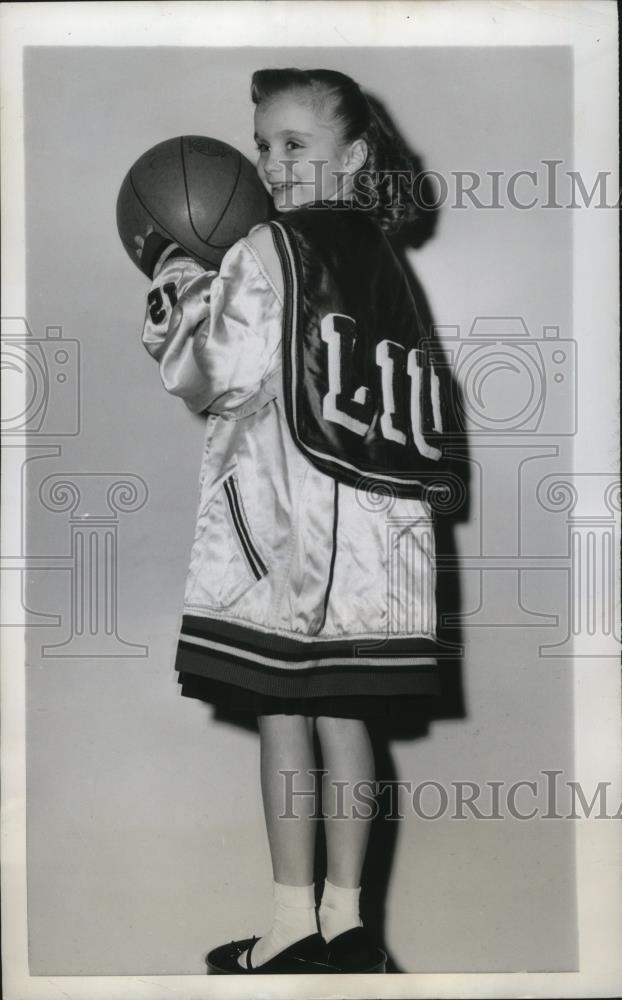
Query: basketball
(200, 192)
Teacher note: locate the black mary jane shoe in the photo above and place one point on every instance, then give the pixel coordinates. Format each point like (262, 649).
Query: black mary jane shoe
(305, 957)
(355, 952)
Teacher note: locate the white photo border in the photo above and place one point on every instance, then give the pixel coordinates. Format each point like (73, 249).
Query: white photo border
(591, 29)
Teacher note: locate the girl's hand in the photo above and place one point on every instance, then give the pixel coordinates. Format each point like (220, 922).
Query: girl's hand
(140, 241)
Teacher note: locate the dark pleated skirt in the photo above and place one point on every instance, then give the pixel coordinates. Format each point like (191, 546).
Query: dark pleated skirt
(234, 699)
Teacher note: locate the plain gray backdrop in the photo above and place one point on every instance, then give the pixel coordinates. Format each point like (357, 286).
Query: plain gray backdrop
(146, 843)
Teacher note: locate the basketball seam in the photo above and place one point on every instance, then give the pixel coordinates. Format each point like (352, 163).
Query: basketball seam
(183, 173)
(230, 198)
(226, 205)
(163, 227)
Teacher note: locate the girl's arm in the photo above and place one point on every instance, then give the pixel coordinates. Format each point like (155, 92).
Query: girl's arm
(220, 346)
(172, 272)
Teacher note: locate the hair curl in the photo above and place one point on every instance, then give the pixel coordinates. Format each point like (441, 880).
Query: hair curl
(339, 99)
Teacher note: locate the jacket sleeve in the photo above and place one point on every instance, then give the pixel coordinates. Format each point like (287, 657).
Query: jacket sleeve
(171, 272)
(222, 345)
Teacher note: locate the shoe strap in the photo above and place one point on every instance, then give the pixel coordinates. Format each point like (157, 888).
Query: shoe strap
(249, 964)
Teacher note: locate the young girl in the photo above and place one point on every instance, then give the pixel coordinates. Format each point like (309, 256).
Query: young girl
(310, 593)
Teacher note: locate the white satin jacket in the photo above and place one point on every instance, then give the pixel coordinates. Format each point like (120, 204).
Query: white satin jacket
(291, 573)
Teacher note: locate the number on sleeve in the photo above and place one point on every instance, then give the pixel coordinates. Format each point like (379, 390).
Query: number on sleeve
(158, 309)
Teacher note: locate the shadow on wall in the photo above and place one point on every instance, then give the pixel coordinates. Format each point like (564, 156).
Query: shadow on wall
(455, 509)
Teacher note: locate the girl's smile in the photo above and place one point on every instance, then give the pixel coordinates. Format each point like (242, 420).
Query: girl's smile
(300, 160)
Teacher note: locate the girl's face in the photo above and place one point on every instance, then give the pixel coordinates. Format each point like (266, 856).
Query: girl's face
(300, 160)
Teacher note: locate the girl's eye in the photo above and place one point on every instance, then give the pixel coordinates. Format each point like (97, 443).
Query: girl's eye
(262, 147)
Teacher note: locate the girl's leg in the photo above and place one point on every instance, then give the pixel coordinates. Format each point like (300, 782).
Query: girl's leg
(348, 758)
(286, 743)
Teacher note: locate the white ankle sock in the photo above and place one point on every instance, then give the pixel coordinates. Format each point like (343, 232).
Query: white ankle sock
(294, 919)
(339, 910)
